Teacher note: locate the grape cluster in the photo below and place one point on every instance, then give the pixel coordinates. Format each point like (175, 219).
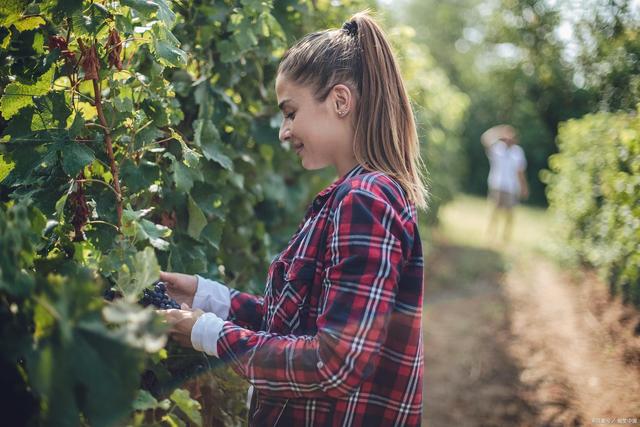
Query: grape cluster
(157, 296)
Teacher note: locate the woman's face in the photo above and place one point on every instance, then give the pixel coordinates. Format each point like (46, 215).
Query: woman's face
(317, 131)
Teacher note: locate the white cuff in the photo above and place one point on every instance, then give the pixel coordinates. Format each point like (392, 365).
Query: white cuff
(212, 297)
(205, 332)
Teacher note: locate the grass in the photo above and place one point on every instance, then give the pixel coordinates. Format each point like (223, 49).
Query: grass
(464, 222)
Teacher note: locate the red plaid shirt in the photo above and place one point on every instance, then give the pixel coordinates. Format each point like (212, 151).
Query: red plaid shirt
(337, 337)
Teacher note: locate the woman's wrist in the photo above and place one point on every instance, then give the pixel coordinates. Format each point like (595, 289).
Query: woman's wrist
(205, 333)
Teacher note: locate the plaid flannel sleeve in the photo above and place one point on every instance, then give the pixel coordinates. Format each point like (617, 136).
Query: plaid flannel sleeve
(246, 310)
(364, 244)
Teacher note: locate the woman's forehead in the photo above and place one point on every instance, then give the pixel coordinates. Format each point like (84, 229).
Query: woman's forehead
(284, 85)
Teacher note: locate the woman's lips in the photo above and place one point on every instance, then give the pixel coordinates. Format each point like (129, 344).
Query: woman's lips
(299, 148)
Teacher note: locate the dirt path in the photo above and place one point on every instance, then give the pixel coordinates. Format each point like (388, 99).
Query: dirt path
(511, 342)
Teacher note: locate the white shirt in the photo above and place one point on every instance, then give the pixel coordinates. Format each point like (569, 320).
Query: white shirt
(505, 162)
(214, 299)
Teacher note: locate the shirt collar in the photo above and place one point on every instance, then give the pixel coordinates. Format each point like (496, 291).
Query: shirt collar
(357, 170)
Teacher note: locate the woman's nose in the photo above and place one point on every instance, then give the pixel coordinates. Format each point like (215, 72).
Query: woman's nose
(285, 134)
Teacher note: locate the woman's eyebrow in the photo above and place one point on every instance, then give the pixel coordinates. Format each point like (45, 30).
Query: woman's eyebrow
(281, 105)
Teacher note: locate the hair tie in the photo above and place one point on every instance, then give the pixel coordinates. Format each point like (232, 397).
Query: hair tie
(351, 27)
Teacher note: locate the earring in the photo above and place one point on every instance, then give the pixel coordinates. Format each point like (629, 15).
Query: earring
(342, 113)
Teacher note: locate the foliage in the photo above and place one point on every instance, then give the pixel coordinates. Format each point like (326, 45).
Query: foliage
(594, 188)
(136, 136)
(507, 58)
(608, 59)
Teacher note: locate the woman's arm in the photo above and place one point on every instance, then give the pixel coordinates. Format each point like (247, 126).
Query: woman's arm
(366, 259)
(491, 135)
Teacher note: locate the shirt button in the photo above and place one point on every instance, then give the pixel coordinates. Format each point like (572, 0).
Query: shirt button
(320, 365)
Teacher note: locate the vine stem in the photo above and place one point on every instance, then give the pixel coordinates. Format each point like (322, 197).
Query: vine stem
(109, 145)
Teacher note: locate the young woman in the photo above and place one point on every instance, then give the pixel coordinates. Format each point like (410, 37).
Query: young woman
(337, 337)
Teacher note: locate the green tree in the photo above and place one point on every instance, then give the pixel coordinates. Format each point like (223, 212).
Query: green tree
(609, 57)
(509, 62)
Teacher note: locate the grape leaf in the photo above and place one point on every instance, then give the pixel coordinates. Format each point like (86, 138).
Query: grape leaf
(165, 48)
(17, 95)
(29, 23)
(76, 156)
(197, 220)
(183, 175)
(207, 136)
(154, 233)
(144, 271)
(144, 400)
(5, 167)
(153, 8)
(135, 325)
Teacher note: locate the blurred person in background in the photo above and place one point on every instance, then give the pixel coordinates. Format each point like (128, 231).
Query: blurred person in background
(507, 181)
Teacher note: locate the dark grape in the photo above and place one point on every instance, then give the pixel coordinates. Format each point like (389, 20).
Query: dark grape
(155, 296)
(109, 294)
(158, 297)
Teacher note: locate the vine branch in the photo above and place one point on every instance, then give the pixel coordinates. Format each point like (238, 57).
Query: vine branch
(91, 66)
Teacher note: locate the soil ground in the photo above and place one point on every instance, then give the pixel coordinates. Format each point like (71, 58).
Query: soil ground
(516, 335)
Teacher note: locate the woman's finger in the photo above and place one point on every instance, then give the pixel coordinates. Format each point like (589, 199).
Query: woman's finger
(166, 277)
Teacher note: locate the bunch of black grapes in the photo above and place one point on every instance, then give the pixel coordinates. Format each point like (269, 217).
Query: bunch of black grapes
(158, 297)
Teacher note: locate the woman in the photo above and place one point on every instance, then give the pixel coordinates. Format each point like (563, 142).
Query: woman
(336, 339)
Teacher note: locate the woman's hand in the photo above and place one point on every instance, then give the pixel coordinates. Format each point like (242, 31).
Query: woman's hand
(181, 322)
(180, 287)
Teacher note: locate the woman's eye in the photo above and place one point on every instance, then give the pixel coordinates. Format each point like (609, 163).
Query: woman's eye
(290, 116)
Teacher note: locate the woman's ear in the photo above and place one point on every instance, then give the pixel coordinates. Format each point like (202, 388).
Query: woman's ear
(343, 99)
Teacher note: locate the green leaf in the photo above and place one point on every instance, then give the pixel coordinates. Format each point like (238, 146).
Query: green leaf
(189, 406)
(207, 136)
(245, 38)
(60, 206)
(183, 176)
(138, 177)
(146, 7)
(66, 7)
(144, 400)
(135, 325)
(147, 136)
(186, 256)
(153, 8)
(168, 54)
(134, 225)
(147, 267)
(17, 95)
(10, 11)
(76, 156)
(5, 168)
(165, 48)
(103, 364)
(76, 366)
(197, 220)
(165, 14)
(29, 23)
(189, 156)
(155, 233)
(212, 233)
(77, 126)
(146, 270)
